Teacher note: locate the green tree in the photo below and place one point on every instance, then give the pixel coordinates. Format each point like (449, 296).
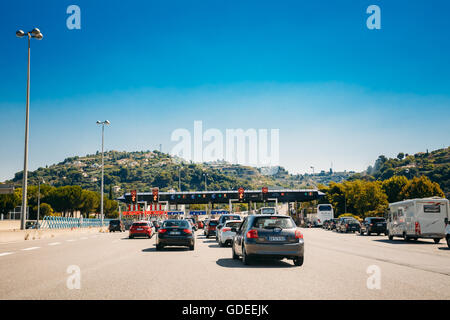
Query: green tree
(9, 201)
(421, 187)
(393, 188)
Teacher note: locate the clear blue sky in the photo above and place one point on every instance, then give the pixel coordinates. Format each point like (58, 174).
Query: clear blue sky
(337, 91)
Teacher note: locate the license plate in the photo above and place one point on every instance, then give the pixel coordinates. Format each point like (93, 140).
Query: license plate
(379, 224)
(175, 232)
(277, 238)
(139, 229)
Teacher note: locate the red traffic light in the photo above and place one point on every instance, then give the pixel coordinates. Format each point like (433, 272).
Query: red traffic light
(133, 196)
(155, 192)
(265, 190)
(241, 193)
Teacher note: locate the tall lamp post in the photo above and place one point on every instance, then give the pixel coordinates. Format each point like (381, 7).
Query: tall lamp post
(179, 178)
(206, 187)
(39, 203)
(35, 33)
(103, 123)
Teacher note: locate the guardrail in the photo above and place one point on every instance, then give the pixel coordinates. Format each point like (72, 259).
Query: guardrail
(51, 222)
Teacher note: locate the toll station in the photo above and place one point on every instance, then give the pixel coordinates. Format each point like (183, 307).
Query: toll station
(152, 203)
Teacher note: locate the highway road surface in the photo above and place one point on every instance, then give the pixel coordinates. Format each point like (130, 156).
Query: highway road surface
(111, 266)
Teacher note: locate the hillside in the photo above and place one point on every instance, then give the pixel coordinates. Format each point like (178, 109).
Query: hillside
(143, 170)
(435, 165)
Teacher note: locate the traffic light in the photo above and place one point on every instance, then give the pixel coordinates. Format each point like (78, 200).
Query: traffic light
(133, 196)
(155, 192)
(264, 190)
(241, 194)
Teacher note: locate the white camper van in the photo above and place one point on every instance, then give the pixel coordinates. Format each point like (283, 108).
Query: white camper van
(417, 218)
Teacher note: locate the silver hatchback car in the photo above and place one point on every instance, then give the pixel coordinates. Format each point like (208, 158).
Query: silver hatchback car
(270, 236)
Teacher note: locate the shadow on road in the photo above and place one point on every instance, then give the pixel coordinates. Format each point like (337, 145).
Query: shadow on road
(209, 241)
(217, 246)
(444, 248)
(401, 241)
(168, 249)
(257, 263)
(137, 238)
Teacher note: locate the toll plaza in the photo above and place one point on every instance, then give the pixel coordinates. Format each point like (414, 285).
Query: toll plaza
(168, 200)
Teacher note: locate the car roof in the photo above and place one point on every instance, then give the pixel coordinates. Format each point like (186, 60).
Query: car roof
(233, 221)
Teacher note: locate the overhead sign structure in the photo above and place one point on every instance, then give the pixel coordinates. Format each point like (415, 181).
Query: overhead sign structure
(197, 213)
(213, 212)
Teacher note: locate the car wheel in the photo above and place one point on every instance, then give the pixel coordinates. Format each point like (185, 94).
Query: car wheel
(390, 237)
(130, 237)
(378, 234)
(298, 261)
(437, 240)
(159, 247)
(235, 256)
(245, 257)
(405, 237)
(361, 232)
(448, 241)
(368, 232)
(207, 236)
(191, 247)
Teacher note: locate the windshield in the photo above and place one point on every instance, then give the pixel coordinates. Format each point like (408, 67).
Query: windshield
(325, 207)
(225, 218)
(375, 220)
(176, 224)
(233, 224)
(273, 222)
(213, 223)
(140, 224)
(268, 210)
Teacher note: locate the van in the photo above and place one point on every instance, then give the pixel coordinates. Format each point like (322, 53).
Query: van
(417, 218)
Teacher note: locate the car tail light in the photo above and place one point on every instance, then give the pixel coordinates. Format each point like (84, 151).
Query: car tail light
(417, 228)
(252, 234)
(371, 224)
(226, 229)
(298, 234)
(346, 225)
(187, 231)
(162, 230)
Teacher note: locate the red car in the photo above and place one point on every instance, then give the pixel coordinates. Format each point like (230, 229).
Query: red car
(141, 229)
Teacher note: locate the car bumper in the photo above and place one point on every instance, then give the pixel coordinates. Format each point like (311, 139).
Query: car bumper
(176, 241)
(227, 236)
(377, 230)
(288, 250)
(140, 234)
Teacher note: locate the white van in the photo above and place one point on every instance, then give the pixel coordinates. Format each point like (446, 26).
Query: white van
(417, 218)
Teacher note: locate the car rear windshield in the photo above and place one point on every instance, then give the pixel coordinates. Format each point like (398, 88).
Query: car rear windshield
(273, 222)
(325, 208)
(140, 224)
(114, 222)
(176, 223)
(231, 218)
(233, 224)
(213, 223)
(376, 220)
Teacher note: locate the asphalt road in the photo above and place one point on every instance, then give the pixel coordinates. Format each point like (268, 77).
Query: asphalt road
(115, 267)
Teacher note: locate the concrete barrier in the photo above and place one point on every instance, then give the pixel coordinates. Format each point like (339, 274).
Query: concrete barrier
(33, 234)
(9, 224)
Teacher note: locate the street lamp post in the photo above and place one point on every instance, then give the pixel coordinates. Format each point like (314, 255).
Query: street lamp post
(39, 203)
(179, 178)
(35, 33)
(205, 175)
(103, 142)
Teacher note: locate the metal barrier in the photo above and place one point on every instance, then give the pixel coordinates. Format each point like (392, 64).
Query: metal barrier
(51, 222)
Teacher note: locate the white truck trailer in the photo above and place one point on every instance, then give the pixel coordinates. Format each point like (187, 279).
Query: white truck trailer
(418, 218)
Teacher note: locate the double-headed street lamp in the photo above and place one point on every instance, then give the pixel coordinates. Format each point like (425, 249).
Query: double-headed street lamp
(35, 33)
(103, 123)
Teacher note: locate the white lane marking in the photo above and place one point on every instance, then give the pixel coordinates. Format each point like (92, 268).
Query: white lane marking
(54, 243)
(31, 248)
(83, 238)
(70, 240)
(5, 253)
